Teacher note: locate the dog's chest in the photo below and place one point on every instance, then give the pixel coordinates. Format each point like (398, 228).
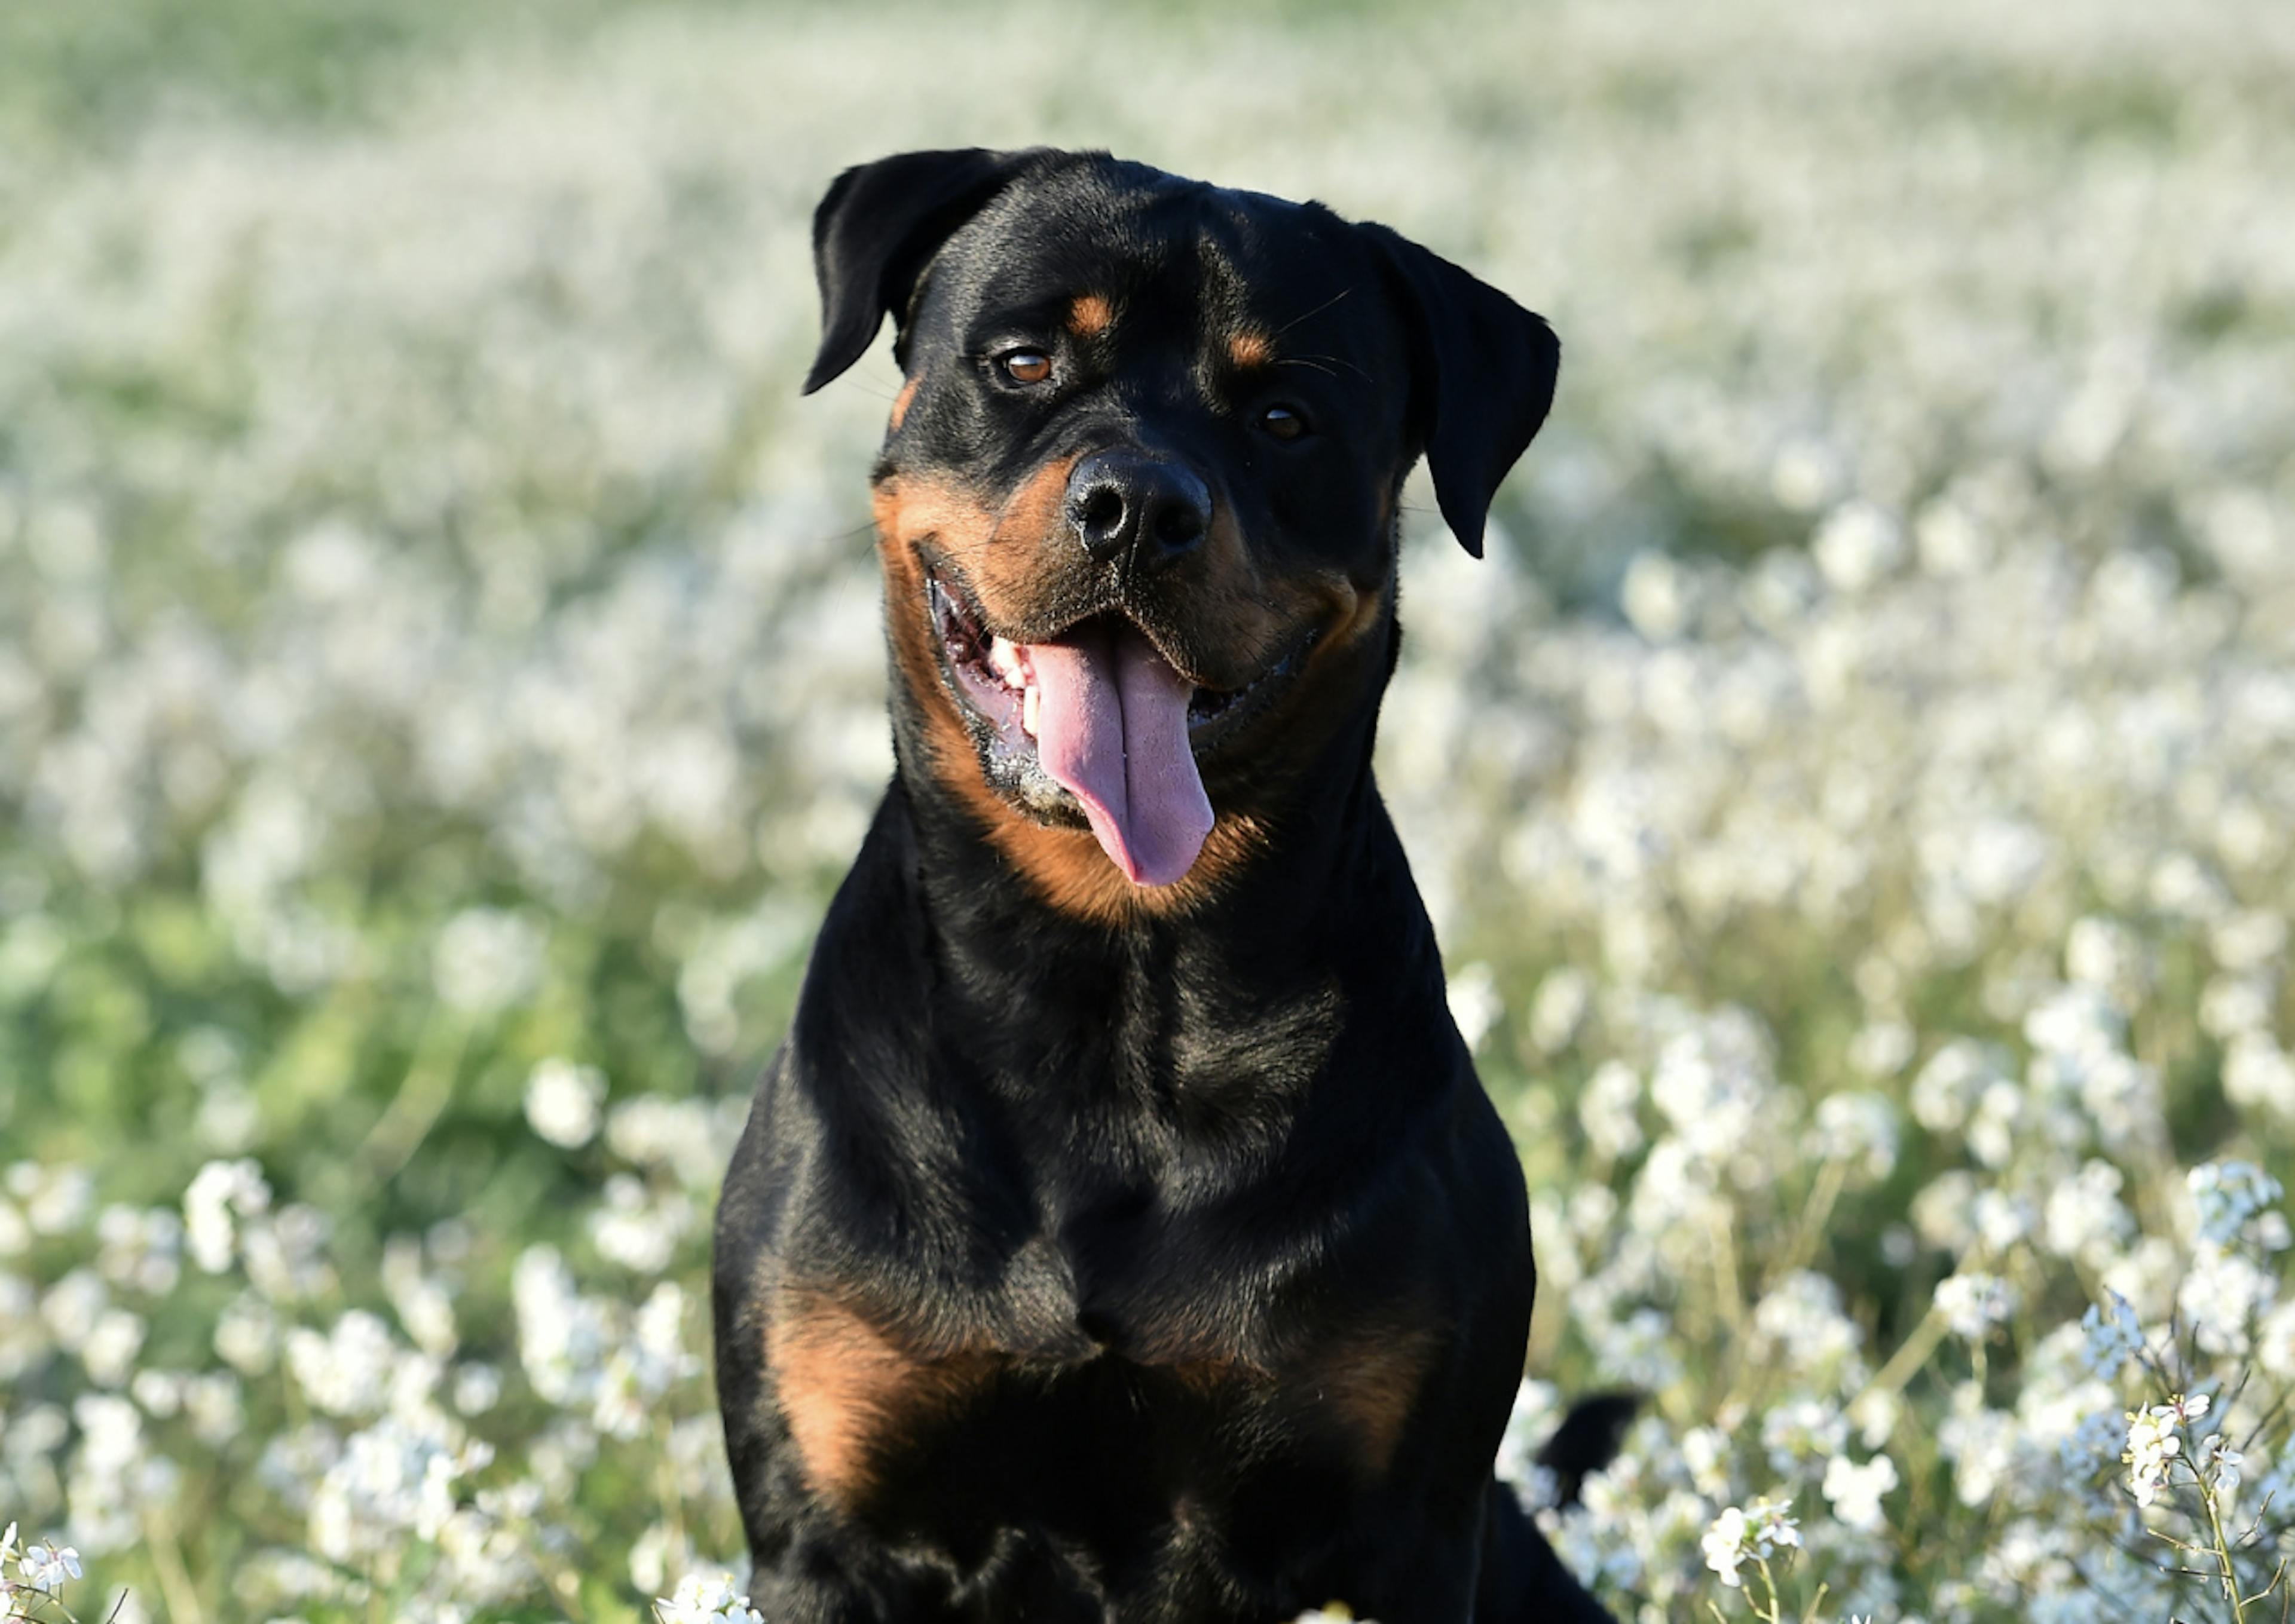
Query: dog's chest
(1125, 1410)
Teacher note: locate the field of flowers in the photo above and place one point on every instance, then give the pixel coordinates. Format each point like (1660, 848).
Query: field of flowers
(440, 681)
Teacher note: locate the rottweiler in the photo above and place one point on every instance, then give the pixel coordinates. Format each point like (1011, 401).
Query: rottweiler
(1121, 1232)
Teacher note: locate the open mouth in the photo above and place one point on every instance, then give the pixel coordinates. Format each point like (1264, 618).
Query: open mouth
(1099, 711)
(997, 675)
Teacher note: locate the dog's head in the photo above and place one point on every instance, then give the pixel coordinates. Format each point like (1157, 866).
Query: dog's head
(1137, 499)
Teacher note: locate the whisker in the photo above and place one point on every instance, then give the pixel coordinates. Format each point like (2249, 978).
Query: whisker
(1317, 310)
(865, 527)
(1338, 360)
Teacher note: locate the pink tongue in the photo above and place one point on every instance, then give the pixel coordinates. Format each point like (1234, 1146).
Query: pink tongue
(1112, 728)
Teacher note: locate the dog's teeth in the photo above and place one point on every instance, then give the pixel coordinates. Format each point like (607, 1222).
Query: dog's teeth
(1030, 705)
(1004, 659)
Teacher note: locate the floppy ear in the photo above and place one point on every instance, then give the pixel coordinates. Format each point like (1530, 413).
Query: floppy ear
(876, 230)
(1482, 379)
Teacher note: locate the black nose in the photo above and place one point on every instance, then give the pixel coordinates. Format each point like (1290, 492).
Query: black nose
(1122, 502)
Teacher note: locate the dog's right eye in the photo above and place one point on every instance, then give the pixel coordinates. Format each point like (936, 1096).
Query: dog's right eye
(1286, 423)
(1025, 365)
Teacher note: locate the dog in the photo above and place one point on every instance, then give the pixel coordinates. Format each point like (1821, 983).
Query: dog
(1121, 1232)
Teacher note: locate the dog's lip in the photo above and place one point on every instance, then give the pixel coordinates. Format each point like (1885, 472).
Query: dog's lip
(1230, 710)
(958, 621)
(943, 574)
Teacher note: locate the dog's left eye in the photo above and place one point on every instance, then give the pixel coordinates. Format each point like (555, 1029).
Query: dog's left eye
(1283, 422)
(1025, 365)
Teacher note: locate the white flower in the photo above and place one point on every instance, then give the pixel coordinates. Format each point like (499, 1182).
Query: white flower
(57, 1200)
(1476, 1004)
(1607, 1108)
(2084, 1218)
(1800, 1323)
(46, 1567)
(2259, 1075)
(2222, 1296)
(637, 1233)
(1724, 1545)
(2114, 1336)
(1802, 1428)
(677, 1137)
(1854, 1491)
(1560, 1008)
(216, 1191)
(247, 1334)
(657, 1553)
(2225, 1194)
(2218, 1464)
(346, 1372)
(1754, 1533)
(1947, 1088)
(1711, 1083)
(2153, 1446)
(2078, 1023)
(477, 1388)
(562, 1102)
(1976, 1303)
(486, 959)
(1861, 1130)
(1530, 1422)
(1882, 1048)
(1857, 545)
(394, 1479)
(707, 1599)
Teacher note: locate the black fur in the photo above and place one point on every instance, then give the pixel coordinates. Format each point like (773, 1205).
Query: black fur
(1146, 1204)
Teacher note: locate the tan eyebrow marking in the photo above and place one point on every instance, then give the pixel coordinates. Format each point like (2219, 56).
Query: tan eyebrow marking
(901, 401)
(1249, 349)
(1090, 315)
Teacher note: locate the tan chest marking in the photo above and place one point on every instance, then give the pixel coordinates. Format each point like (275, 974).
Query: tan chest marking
(1371, 1381)
(852, 1395)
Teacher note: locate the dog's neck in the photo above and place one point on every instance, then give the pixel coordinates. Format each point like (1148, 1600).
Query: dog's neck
(1321, 920)
(1301, 862)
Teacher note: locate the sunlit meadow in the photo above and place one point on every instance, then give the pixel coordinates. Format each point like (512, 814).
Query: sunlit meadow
(440, 683)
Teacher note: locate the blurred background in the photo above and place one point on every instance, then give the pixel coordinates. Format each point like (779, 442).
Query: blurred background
(441, 682)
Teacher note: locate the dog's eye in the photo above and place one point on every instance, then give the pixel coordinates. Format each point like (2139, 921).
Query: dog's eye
(1284, 422)
(1025, 365)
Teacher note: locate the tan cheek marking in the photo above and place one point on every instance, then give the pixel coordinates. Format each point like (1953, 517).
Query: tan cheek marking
(947, 745)
(852, 1396)
(901, 401)
(1243, 616)
(1032, 524)
(999, 551)
(1064, 867)
(1249, 349)
(1090, 315)
(1358, 611)
(1371, 1381)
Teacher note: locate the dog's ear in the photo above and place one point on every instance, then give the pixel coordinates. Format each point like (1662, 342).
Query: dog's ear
(877, 229)
(1483, 373)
